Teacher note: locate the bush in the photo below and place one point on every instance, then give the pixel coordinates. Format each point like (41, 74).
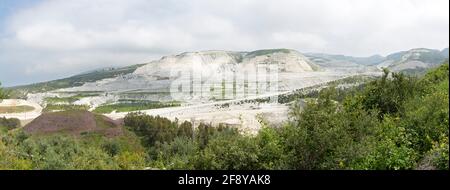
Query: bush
(9, 124)
(388, 96)
(66, 152)
(227, 152)
(152, 129)
(179, 154)
(3, 94)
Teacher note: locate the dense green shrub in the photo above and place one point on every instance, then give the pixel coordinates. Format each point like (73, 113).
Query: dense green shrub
(3, 94)
(9, 124)
(134, 106)
(64, 107)
(20, 151)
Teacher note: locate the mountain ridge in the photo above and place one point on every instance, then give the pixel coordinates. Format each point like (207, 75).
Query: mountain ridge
(314, 60)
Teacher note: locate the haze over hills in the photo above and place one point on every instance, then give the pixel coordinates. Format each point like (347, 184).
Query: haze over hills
(229, 74)
(322, 58)
(287, 60)
(290, 60)
(399, 61)
(215, 75)
(226, 75)
(218, 86)
(420, 58)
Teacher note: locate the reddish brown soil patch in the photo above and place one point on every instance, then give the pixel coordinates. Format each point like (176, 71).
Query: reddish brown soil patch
(74, 123)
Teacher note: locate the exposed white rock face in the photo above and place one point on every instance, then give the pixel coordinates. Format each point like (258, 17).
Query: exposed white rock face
(385, 64)
(206, 81)
(210, 60)
(216, 61)
(291, 61)
(408, 65)
(39, 97)
(413, 54)
(210, 76)
(95, 101)
(206, 75)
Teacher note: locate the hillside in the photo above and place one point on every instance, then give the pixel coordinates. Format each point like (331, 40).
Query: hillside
(76, 80)
(414, 59)
(75, 123)
(194, 78)
(290, 59)
(343, 59)
(216, 62)
(410, 61)
(206, 75)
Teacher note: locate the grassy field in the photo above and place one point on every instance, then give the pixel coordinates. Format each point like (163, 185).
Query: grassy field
(69, 100)
(134, 106)
(59, 107)
(15, 109)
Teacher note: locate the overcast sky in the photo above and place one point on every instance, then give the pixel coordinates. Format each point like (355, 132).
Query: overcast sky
(49, 39)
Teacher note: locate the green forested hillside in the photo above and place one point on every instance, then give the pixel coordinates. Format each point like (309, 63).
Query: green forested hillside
(394, 122)
(77, 80)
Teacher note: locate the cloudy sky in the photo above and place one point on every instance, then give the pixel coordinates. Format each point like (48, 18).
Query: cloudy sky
(49, 39)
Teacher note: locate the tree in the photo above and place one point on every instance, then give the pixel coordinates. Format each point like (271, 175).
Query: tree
(387, 149)
(230, 152)
(152, 129)
(271, 154)
(178, 154)
(3, 93)
(130, 160)
(314, 133)
(426, 119)
(387, 95)
(10, 161)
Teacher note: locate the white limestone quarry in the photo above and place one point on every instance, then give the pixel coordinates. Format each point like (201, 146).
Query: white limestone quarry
(204, 80)
(38, 98)
(95, 101)
(157, 75)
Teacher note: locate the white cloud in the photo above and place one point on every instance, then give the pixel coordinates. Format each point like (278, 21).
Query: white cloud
(60, 37)
(298, 39)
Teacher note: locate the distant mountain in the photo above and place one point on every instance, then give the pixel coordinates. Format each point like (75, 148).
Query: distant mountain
(157, 74)
(328, 58)
(287, 60)
(99, 70)
(444, 52)
(420, 58)
(414, 59)
(78, 80)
